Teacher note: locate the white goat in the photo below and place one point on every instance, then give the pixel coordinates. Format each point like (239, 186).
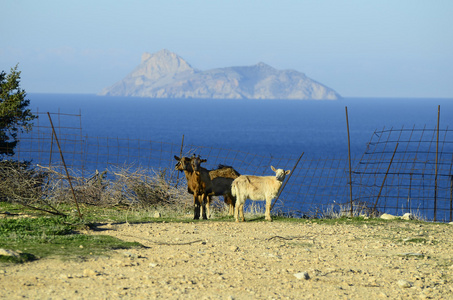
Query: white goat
(257, 188)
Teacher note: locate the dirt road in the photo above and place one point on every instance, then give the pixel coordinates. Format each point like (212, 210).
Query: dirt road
(252, 260)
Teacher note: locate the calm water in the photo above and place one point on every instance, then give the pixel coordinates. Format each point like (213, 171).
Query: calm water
(267, 127)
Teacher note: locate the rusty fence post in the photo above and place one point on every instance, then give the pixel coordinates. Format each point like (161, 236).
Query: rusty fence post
(385, 178)
(451, 197)
(51, 150)
(436, 167)
(180, 155)
(350, 168)
(64, 164)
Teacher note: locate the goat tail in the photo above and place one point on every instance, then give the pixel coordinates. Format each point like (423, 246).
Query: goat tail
(234, 188)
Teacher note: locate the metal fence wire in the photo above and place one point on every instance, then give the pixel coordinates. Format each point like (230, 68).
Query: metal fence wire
(401, 170)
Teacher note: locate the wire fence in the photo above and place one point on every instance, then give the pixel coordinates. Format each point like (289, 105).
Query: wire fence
(408, 170)
(401, 170)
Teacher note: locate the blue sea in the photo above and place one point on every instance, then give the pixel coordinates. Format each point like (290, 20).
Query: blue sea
(253, 134)
(267, 127)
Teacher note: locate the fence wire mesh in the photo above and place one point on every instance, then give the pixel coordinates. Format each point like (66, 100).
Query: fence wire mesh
(401, 170)
(410, 170)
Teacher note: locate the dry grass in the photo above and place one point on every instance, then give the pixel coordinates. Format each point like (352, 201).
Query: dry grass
(48, 188)
(20, 182)
(139, 189)
(360, 209)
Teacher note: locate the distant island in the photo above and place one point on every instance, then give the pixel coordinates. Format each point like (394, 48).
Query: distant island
(166, 75)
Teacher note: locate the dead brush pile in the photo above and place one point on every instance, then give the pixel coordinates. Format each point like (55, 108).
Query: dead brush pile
(19, 182)
(137, 187)
(45, 188)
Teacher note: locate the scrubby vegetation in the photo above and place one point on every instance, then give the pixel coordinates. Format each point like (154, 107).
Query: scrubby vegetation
(39, 215)
(47, 188)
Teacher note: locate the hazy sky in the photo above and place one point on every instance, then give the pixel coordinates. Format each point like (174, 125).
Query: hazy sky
(361, 48)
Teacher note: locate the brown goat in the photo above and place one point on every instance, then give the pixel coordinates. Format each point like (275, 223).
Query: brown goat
(220, 181)
(202, 183)
(222, 178)
(217, 181)
(193, 186)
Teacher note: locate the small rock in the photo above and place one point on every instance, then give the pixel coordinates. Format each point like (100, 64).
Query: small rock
(7, 252)
(130, 255)
(404, 283)
(412, 254)
(157, 214)
(90, 273)
(234, 248)
(388, 217)
(302, 275)
(408, 216)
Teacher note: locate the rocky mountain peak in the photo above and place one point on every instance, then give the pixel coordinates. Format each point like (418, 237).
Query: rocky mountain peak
(164, 74)
(162, 63)
(263, 65)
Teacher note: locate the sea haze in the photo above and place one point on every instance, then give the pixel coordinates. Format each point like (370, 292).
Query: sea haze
(267, 127)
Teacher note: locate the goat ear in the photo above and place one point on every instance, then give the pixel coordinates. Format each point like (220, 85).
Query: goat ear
(287, 172)
(203, 160)
(177, 158)
(273, 169)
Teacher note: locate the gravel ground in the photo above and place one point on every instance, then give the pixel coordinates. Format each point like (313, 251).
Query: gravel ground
(251, 260)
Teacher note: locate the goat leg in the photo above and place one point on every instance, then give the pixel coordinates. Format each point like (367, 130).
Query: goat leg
(196, 213)
(230, 200)
(203, 203)
(239, 210)
(208, 206)
(268, 210)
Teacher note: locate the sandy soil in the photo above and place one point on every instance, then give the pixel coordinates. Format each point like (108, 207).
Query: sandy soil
(252, 260)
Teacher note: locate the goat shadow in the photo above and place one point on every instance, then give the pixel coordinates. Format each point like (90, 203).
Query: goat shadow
(255, 219)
